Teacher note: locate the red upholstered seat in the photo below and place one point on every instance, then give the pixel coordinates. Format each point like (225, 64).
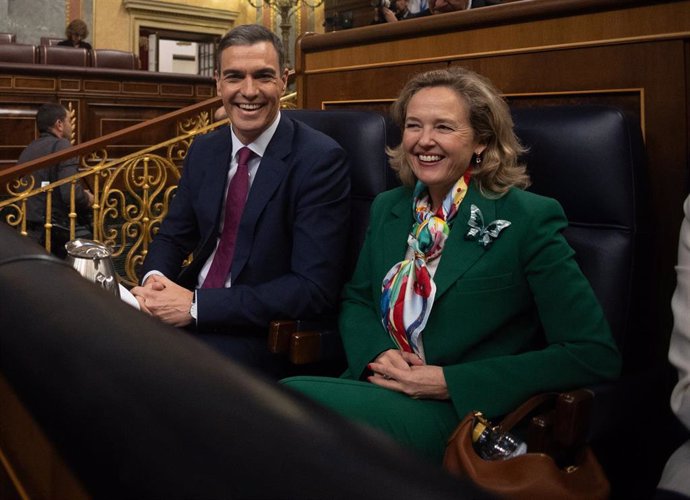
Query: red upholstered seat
(47, 40)
(109, 58)
(17, 53)
(66, 56)
(7, 38)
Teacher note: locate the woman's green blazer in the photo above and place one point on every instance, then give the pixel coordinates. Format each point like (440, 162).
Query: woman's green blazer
(509, 320)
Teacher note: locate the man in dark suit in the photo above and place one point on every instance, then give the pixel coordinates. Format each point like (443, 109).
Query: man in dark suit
(55, 130)
(288, 252)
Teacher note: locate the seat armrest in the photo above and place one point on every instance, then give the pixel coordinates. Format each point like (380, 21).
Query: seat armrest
(279, 332)
(314, 346)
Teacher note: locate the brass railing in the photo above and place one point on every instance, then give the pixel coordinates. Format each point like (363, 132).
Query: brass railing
(131, 193)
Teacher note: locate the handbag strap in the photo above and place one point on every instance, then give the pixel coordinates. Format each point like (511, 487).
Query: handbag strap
(510, 420)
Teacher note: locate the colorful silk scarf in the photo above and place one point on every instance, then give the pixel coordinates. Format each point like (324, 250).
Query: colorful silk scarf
(408, 289)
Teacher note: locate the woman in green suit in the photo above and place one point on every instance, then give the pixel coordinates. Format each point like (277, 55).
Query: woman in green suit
(466, 295)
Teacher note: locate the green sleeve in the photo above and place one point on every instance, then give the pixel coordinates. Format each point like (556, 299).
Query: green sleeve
(580, 349)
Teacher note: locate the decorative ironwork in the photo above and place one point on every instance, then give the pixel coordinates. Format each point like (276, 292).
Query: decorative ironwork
(285, 9)
(131, 195)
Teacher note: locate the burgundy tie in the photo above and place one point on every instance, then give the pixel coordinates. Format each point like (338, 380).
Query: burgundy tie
(234, 205)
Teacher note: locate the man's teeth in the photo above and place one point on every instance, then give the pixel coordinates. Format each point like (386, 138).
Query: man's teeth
(429, 157)
(249, 107)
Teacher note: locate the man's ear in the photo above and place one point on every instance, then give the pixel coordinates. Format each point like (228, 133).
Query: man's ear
(59, 125)
(217, 77)
(284, 79)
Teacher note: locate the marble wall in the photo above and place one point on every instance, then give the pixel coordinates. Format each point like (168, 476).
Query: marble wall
(32, 19)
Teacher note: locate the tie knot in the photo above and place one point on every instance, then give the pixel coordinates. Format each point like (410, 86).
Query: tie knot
(243, 155)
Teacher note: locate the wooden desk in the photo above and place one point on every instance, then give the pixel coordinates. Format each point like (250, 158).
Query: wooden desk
(101, 101)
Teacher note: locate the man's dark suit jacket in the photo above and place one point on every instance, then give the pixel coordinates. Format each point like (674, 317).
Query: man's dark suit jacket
(291, 242)
(36, 205)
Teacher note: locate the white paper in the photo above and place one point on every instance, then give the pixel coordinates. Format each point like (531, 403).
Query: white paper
(127, 296)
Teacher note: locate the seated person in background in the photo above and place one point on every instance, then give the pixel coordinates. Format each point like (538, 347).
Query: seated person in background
(75, 32)
(281, 254)
(55, 130)
(466, 295)
(676, 475)
(441, 6)
(398, 11)
(418, 7)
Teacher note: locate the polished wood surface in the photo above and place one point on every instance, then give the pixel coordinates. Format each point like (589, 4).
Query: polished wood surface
(627, 53)
(125, 135)
(102, 101)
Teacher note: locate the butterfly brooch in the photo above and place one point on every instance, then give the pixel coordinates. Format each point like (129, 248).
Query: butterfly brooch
(483, 235)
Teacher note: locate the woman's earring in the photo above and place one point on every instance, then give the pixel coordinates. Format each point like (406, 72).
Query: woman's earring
(477, 158)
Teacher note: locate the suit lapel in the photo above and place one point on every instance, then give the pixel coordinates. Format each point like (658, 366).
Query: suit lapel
(272, 170)
(395, 232)
(216, 183)
(459, 254)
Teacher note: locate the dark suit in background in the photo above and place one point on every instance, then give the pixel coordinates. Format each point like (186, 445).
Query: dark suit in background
(291, 240)
(46, 144)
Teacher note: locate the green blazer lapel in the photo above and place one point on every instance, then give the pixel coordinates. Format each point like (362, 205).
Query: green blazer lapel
(460, 254)
(395, 231)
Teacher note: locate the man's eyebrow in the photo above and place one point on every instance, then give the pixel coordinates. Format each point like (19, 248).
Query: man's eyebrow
(265, 71)
(231, 71)
(259, 72)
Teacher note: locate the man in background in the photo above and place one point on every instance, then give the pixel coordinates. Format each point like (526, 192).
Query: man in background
(279, 252)
(55, 130)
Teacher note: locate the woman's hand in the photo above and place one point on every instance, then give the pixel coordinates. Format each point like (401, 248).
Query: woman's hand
(405, 372)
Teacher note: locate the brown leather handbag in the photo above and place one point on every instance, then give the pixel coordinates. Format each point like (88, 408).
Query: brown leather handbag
(558, 432)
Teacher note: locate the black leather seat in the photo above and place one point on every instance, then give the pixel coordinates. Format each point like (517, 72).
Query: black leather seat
(364, 136)
(591, 159)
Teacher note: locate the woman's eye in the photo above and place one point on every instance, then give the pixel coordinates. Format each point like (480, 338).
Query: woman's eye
(411, 125)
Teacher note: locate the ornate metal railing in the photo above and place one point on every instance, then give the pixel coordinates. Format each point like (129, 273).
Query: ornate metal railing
(131, 193)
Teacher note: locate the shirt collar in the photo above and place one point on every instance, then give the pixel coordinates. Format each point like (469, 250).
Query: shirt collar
(260, 144)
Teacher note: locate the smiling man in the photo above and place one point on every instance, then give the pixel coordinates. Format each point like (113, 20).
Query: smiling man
(263, 206)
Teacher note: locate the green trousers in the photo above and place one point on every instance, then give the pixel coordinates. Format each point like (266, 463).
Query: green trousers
(421, 424)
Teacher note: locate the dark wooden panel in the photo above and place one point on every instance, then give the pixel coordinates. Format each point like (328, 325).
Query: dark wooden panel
(108, 117)
(139, 88)
(102, 86)
(102, 101)
(28, 83)
(177, 90)
(205, 91)
(70, 85)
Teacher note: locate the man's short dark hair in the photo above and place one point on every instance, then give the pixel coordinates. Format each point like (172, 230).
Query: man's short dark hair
(48, 114)
(250, 34)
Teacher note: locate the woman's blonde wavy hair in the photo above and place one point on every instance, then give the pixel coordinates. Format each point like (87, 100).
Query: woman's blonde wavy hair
(490, 119)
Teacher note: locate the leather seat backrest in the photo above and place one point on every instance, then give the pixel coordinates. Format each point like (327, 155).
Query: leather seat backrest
(8, 38)
(49, 40)
(591, 159)
(107, 58)
(18, 53)
(65, 56)
(363, 135)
